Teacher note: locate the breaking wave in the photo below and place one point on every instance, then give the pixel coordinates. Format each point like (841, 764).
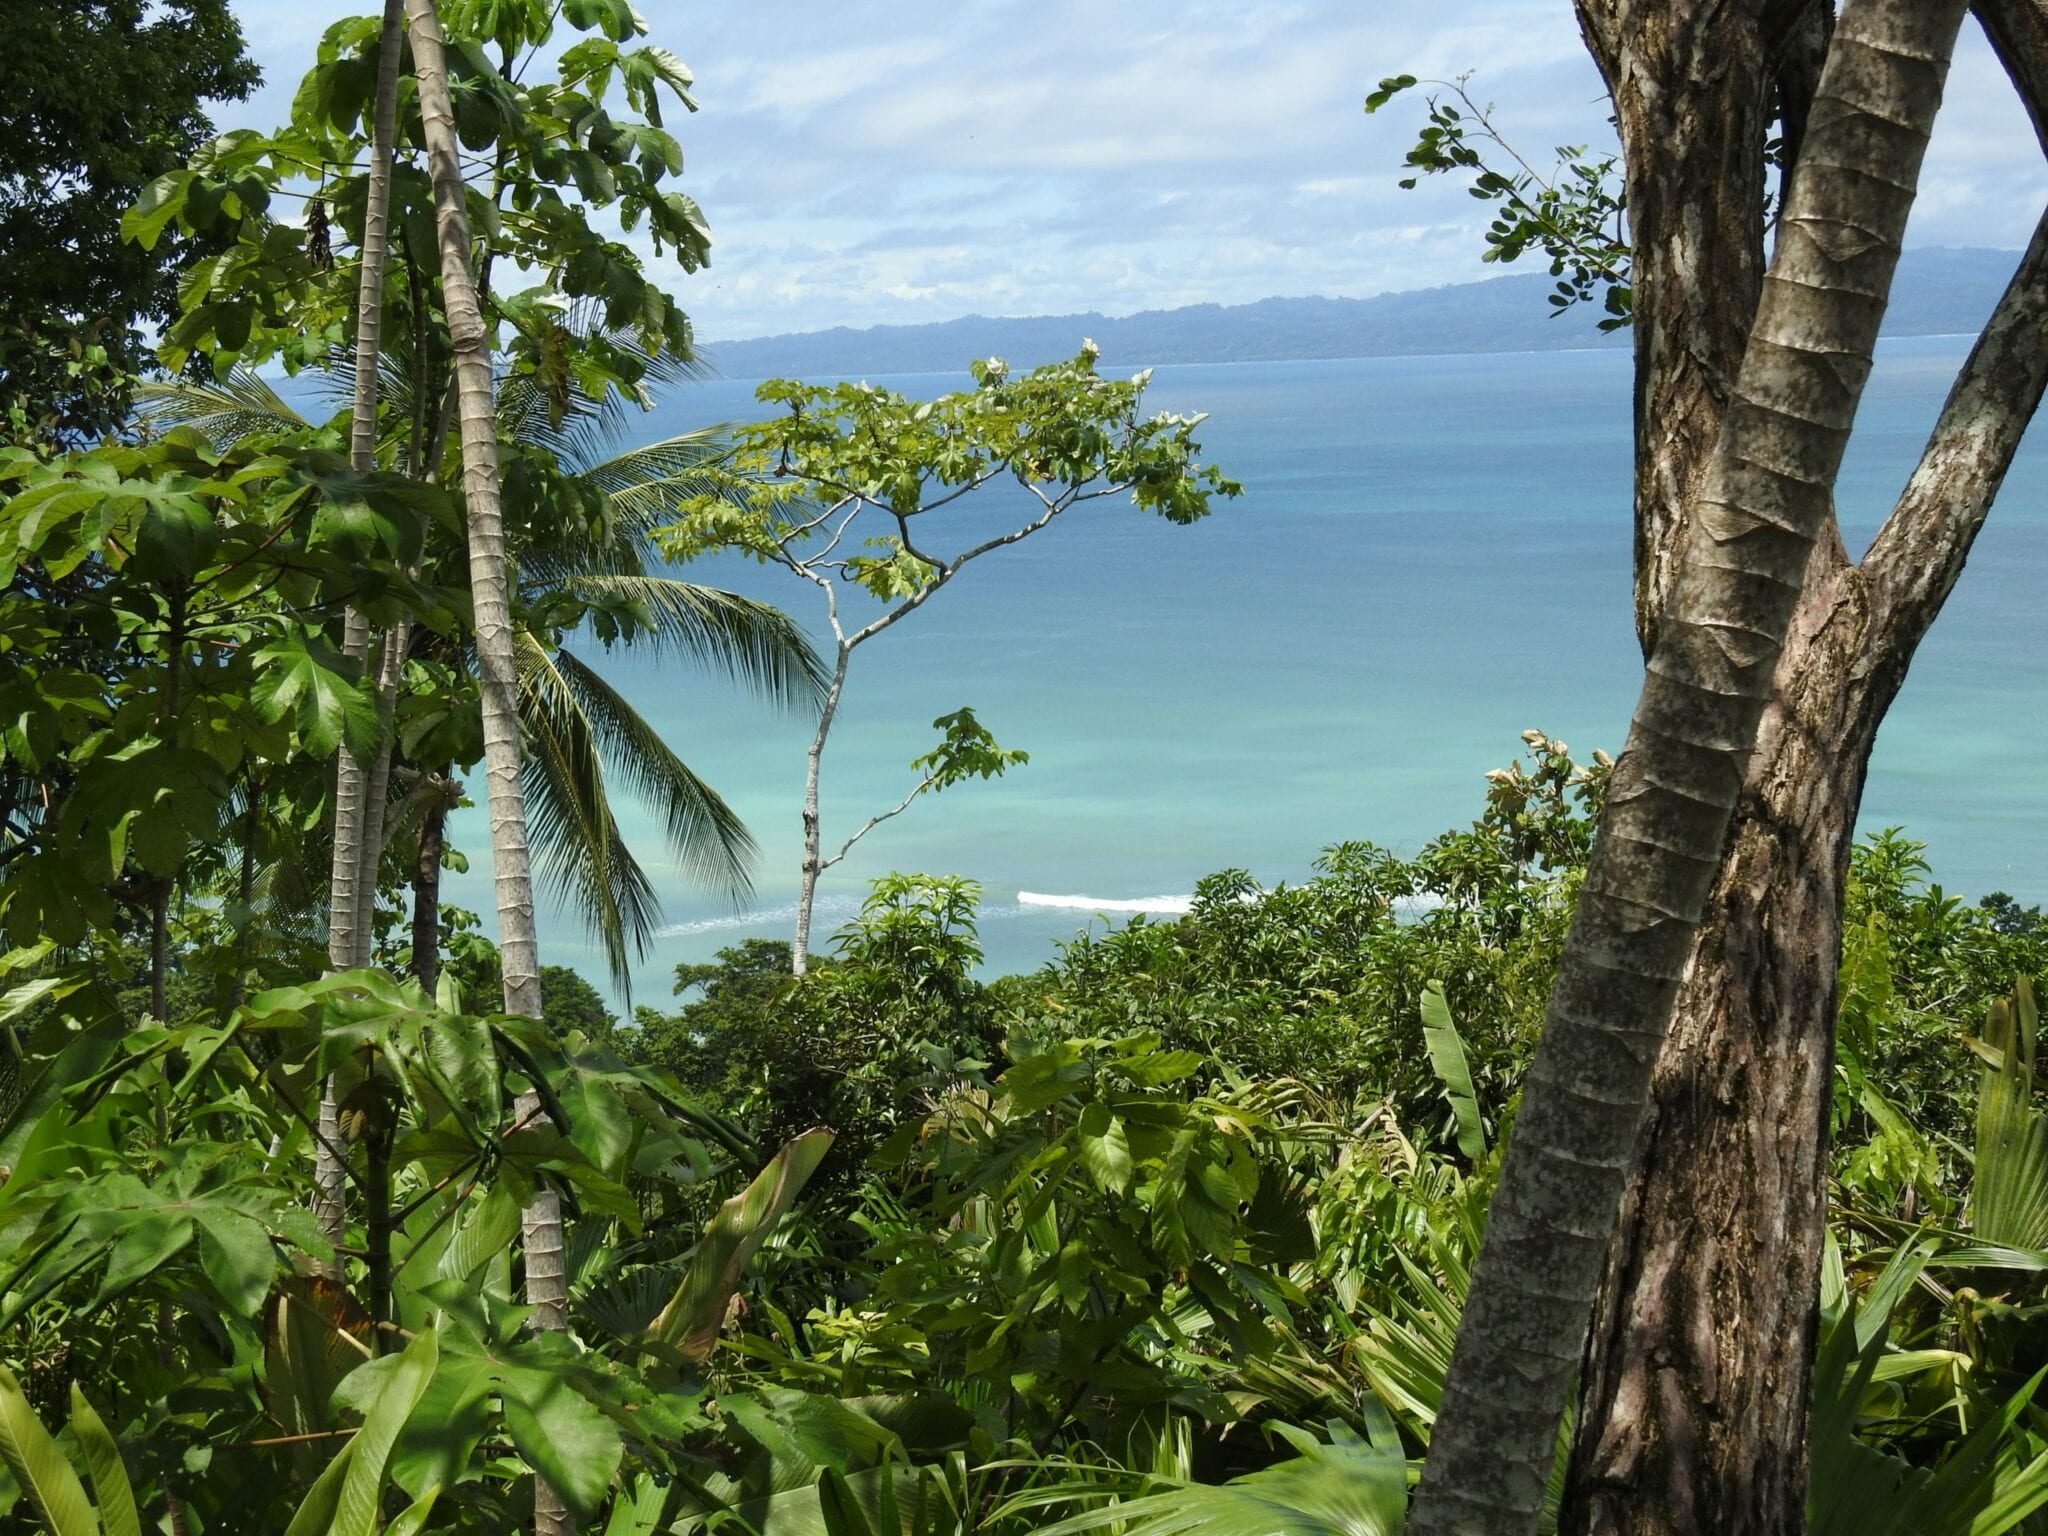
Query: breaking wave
(1168, 905)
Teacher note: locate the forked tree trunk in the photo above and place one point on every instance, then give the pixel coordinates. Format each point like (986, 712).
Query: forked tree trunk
(1694, 1406)
(1765, 503)
(352, 886)
(1694, 1402)
(518, 947)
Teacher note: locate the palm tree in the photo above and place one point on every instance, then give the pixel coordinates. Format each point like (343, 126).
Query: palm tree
(585, 742)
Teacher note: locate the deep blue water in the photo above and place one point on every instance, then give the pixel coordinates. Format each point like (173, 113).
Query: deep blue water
(1431, 555)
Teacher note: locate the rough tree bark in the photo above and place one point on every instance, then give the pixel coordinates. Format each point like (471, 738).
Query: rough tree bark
(352, 886)
(511, 862)
(1694, 1402)
(1731, 599)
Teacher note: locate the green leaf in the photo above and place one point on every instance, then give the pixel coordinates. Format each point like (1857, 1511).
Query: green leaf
(315, 1515)
(695, 1314)
(413, 1519)
(145, 222)
(308, 683)
(110, 1485)
(235, 1252)
(1447, 1057)
(1105, 1148)
(492, 1225)
(572, 1447)
(359, 1504)
(39, 1466)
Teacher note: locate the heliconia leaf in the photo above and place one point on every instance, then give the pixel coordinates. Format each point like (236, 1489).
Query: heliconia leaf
(40, 1467)
(110, 1486)
(695, 1314)
(315, 1515)
(1447, 1057)
(413, 1519)
(361, 1498)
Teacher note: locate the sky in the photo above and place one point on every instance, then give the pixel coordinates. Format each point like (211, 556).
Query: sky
(867, 163)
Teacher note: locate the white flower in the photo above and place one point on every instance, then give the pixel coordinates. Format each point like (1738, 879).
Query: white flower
(1088, 347)
(996, 367)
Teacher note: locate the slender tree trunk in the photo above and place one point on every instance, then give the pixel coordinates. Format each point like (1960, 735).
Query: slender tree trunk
(807, 889)
(245, 892)
(377, 786)
(426, 892)
(160, 888)
(1765, 503)
(352, 883)
(518, 947)
(1694, 1404)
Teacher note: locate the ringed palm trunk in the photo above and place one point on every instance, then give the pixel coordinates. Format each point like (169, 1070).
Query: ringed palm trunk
(352, 887)
(518, 947)
(1693, 1405)
(1765, 504)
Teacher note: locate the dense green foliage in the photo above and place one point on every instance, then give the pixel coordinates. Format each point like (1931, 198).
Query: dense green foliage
(97, 99)
(1170, 1234)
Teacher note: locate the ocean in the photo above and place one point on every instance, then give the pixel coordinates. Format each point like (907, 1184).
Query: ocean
(1431, 555)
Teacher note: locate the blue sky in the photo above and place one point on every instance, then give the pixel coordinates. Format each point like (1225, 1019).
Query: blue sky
(865, 163)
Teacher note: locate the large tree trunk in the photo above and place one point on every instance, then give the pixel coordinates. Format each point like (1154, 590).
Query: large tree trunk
(511, 863)
(352, 885)
(1693, 1407)
(1732, 596)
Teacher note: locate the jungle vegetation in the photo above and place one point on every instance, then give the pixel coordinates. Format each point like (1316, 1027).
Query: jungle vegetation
(329, 1209)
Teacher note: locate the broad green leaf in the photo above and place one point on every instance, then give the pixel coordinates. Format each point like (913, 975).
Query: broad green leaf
(110, 1486)
(1447, 1056)
(492, 1225)
(145, 222)
(236, 1254)
(695, 1314)
(1105, 1148)
(39, 1466)
(574, 1448)
(308, 684)
(360, 1502)
(315, 1516)
(413, 1518)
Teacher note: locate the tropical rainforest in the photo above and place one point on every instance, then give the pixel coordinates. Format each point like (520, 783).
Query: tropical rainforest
(1652, 1154)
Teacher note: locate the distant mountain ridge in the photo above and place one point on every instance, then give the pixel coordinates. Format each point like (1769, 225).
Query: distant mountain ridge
(1939, 291)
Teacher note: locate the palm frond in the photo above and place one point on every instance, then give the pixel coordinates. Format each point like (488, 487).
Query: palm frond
(226, 410)
(560, 415)
(752, 642)
(581, 856)
(708, 839)
(1349, 1487)
(645, 484)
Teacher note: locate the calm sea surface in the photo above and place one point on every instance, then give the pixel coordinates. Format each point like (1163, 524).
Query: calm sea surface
(1431, 555)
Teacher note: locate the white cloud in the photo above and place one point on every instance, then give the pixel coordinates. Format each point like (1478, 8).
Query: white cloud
(864, 163)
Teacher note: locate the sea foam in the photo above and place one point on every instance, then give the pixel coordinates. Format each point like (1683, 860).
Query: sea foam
(1169, 905)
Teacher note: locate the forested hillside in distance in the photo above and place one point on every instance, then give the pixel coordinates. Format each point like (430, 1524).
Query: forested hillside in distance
(1940, 292)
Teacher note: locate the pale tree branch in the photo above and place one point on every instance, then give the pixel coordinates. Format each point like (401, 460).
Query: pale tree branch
(875, 821)
(1914, 562)
(1054, 506)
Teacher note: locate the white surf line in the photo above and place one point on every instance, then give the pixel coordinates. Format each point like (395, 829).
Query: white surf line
(1167, 905)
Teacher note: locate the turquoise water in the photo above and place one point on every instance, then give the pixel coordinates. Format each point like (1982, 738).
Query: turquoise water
(1431, 556)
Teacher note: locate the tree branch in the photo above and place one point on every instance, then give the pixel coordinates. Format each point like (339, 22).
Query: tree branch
(2018, 30)
(1913, 563)
(875, 821)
